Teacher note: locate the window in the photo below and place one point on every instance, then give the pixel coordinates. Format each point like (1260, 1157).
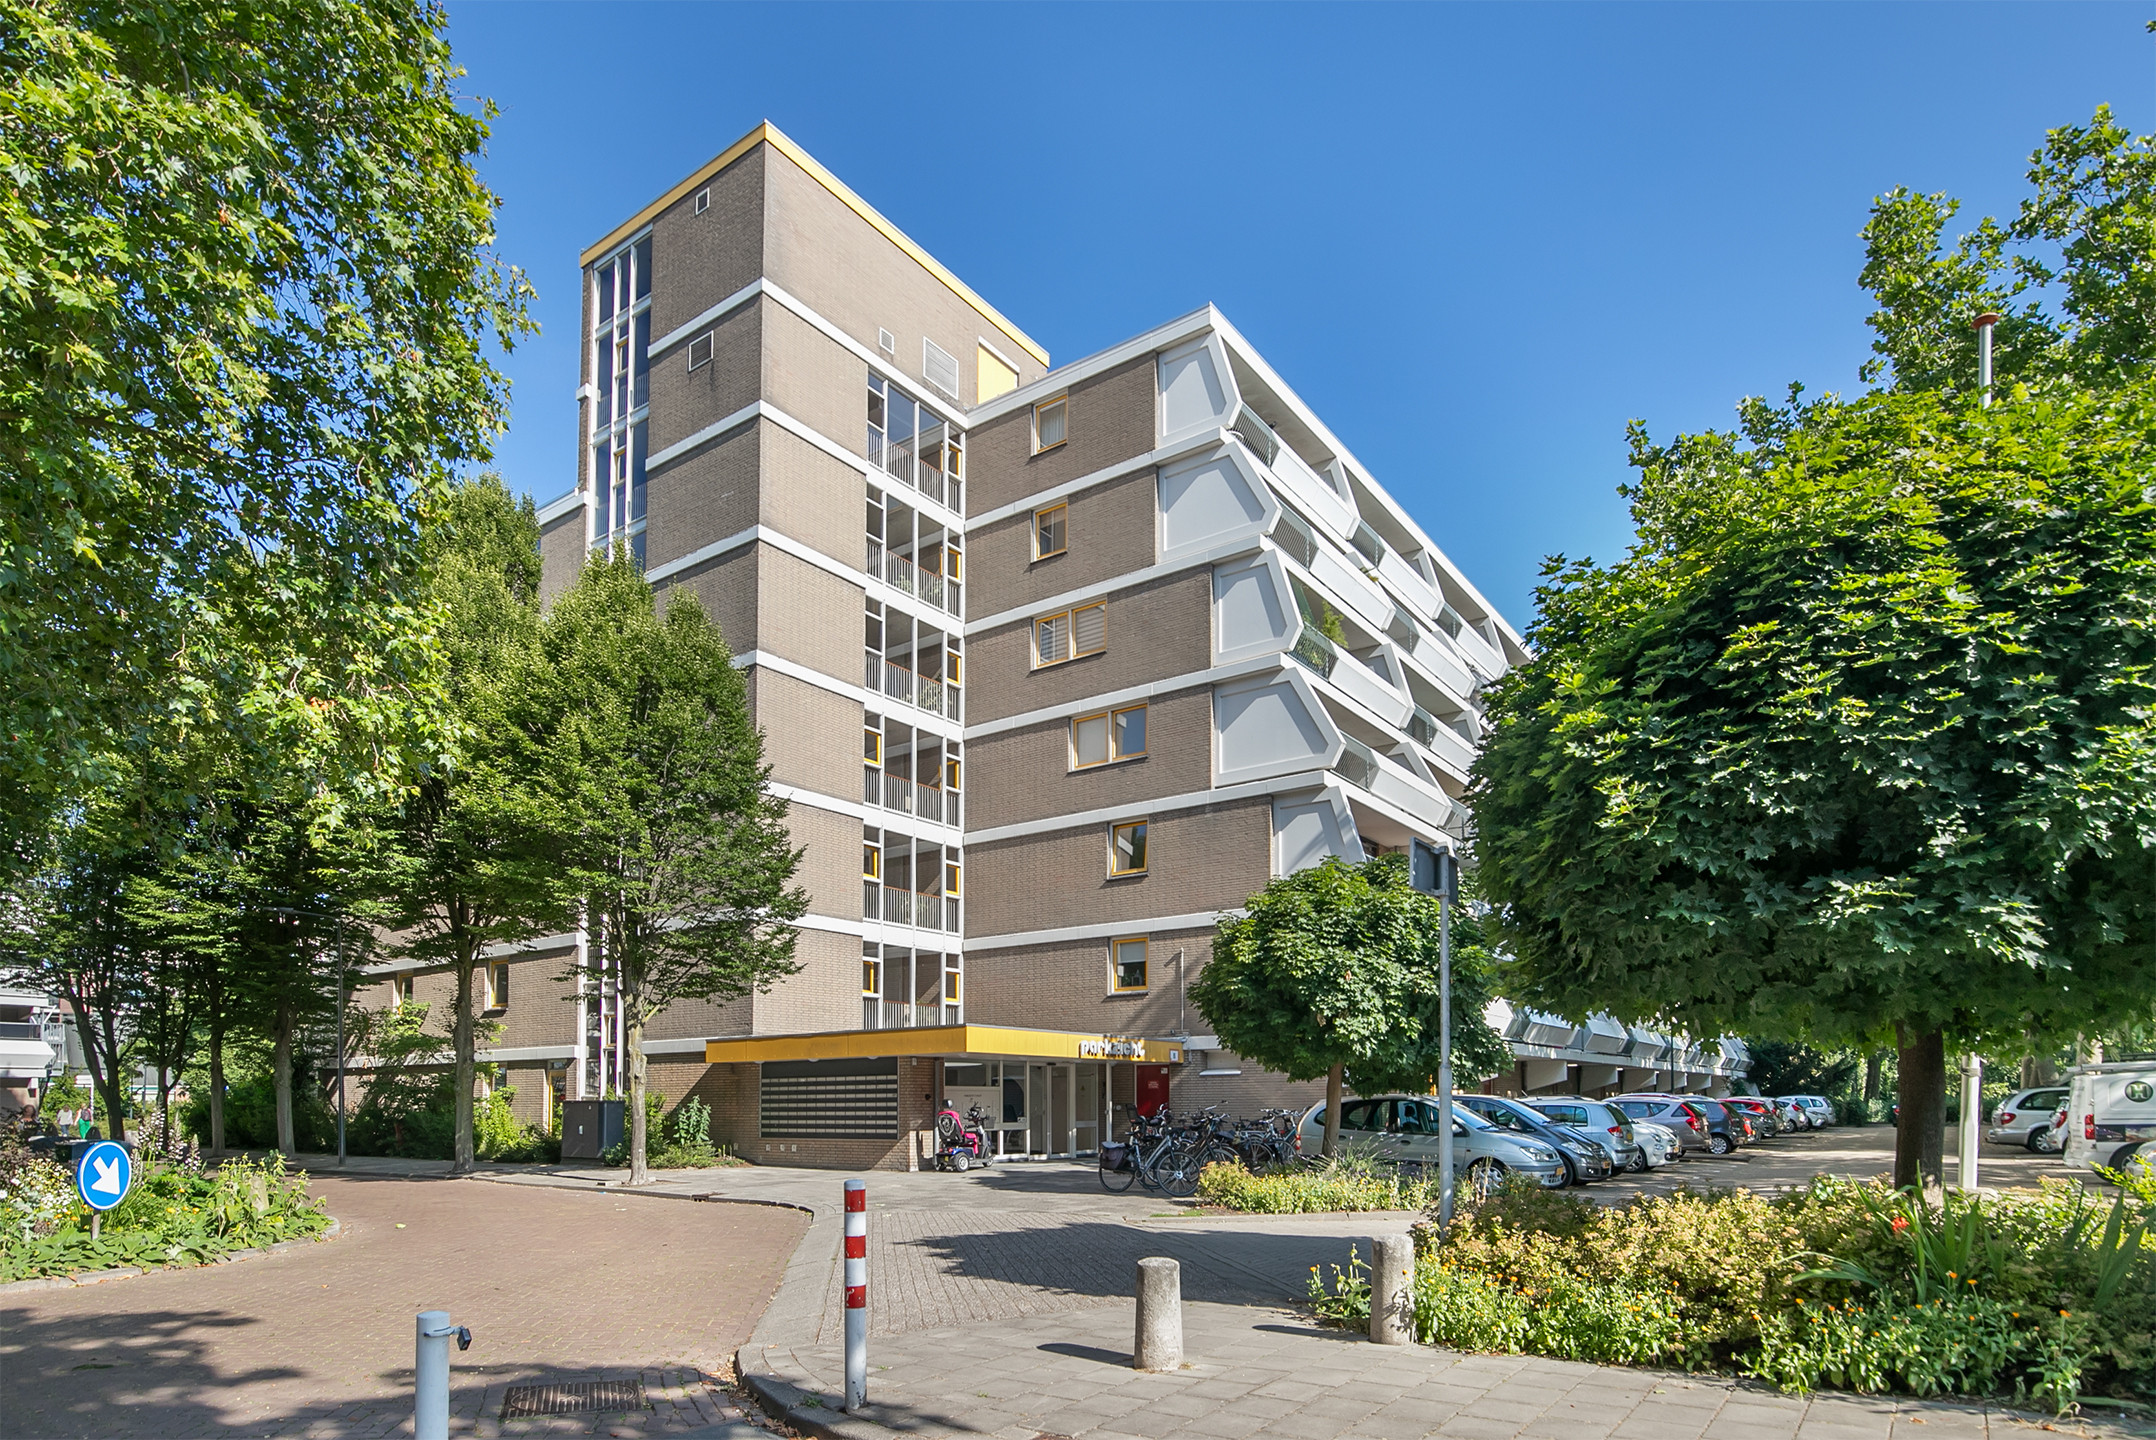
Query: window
(1126, 848)
(951, 877)
(992, 376)
(1051, 639)
(699, 352)
(703, 200)
(1069, 634)
(1127, 965)
(871, 861)
(1109, 735)
(401, 990)
(497, 987)
(871, 976)
(951, 771)
(954, 565)
(1049, 537)
(620, 343)
(871, 746)
(1050, 419)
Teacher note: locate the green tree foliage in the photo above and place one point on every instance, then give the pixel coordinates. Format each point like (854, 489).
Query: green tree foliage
(1332, 973)
(1790, 1067)
(246, 298)
(472, 858)
(1860, 737)
(675, 839)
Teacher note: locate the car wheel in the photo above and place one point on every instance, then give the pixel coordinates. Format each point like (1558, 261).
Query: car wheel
(1639, 1161)
(1717, 1144)
(1483, 1178)
(2125, 1155)
(2040, 1141)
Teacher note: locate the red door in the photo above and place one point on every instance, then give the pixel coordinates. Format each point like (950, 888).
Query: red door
(1152, 1088)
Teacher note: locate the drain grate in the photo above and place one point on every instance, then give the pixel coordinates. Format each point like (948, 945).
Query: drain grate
(574, 1397)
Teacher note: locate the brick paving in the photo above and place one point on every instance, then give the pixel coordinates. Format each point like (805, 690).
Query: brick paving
(1263, 1373)
(317, 1341)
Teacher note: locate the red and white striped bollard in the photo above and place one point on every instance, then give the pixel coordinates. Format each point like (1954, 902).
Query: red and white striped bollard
(856, 1294)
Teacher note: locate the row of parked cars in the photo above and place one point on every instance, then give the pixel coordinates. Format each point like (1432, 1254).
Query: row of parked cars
(1559, 1140)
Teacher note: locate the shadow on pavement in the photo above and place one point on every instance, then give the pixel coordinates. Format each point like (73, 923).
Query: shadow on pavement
(1087, 1352)
(1232, 1267)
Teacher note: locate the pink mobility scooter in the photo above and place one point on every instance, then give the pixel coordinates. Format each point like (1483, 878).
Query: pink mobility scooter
(961, 1144)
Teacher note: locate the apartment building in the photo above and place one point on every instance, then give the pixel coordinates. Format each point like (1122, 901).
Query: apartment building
(1054, 665)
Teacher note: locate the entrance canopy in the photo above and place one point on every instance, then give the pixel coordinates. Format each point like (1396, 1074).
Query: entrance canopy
(948, 1041)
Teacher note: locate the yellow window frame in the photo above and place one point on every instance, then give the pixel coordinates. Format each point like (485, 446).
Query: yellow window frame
(1115, 831)
(1040, 552)
(1115, 965)
(1059, 402)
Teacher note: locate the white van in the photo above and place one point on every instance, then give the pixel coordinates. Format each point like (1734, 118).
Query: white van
(2110, 1113)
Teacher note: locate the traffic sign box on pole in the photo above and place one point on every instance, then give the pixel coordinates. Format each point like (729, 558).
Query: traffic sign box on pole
(103, 1173)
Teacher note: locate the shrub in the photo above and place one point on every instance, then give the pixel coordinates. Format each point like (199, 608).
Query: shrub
(2046, 1296)
(171, 1216)
(1346, 1182)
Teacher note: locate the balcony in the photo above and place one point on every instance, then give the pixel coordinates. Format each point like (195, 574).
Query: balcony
(896, 906)
(1450, 740)
(896, 792)
(1314, 650)
(894, 1015)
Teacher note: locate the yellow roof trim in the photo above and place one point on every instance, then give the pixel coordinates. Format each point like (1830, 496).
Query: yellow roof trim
(983, 1040)
(767, 133)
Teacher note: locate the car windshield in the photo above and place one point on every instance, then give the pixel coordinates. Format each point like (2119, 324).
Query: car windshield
(1470, 1119)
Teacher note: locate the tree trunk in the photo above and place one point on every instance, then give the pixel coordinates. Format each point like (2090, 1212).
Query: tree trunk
(638, 1140)
(100, 1051)
(1873, 1064)
(461, 1096)
(1919, 1137)
(1332, 1109)
(164, 1107)
(281, 1077)
(217, 1080)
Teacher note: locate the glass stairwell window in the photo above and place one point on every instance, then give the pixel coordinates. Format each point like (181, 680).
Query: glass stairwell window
(914, 445)
(913, 553)
(621, 396)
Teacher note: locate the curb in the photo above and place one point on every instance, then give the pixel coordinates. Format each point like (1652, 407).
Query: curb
(125, 1272)
(791, 1405)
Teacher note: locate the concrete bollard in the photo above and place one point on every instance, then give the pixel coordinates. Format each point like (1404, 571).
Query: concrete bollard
(1392, 1300)
(1160, 1316)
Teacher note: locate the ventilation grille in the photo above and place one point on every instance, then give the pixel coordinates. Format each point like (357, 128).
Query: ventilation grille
(939, 367)
(887, 343)
(829, 1107)
(575, 1397)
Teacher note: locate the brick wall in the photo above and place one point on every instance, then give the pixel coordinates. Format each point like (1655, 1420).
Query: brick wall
(684, 401)
(1110, 419)
(705, 496)
(824, 995)
(561, 555)
(841, 267)
(1156, 631)
(811, 497)
(812, 737)
(1026, 774)
(699, 260)
(727, 589)
(814, 379)
(1064, 986)
(1199, 861)
(1109, 530)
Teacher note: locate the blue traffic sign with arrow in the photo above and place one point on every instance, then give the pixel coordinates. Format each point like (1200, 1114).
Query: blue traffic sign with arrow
(105, 1172)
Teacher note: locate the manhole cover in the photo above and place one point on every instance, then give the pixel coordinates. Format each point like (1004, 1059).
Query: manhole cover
(574, 1397)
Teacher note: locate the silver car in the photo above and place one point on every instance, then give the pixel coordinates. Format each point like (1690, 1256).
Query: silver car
(1603, 1124)
(2024, 1118)
(1817, 1109)
(1658, 1144)
(1402, 1130)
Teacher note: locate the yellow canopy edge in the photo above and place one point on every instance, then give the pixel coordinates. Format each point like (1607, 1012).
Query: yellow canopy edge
(946, 1040)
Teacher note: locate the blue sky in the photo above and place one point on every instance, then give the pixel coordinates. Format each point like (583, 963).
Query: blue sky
(1477, 238)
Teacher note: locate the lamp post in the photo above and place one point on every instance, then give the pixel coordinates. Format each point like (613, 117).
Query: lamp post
(1435, 870)
(1972, 1064)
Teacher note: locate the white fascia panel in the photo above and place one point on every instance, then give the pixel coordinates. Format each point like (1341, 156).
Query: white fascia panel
(1153, 925)
(1160, 337)
(1253, 608)
(1197, 388)
(561, 506)
(1273, 725)
(1310, 831)
(1208, 500)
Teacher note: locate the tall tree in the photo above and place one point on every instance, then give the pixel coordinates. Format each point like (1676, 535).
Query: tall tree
(1859, 740)
(1332, 973)
(678, 844)
(474, 855)
(247, 294)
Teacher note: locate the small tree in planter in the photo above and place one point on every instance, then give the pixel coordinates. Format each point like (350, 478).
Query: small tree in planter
(1333, 973)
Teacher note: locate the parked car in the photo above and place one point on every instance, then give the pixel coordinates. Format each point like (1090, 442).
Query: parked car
(2110, 1114)
(1680, 1119)
(1817, 1108)
(1719, 1132)
(1585, 1161)
(2024, 1118)
(1658, 1144)
(1765, 1122)
(1735, 1125)
(1793, 1118)
(1402, 1130)
(1607, 1127)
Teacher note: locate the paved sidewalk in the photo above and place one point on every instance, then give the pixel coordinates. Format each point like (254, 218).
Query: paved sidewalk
(1262, 1373)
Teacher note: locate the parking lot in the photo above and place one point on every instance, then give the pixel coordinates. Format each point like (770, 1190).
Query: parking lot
(1857, 1151)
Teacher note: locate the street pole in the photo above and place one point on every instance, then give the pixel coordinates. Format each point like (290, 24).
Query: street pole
(343, 962)
(1983, 323)
(1448, 885)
